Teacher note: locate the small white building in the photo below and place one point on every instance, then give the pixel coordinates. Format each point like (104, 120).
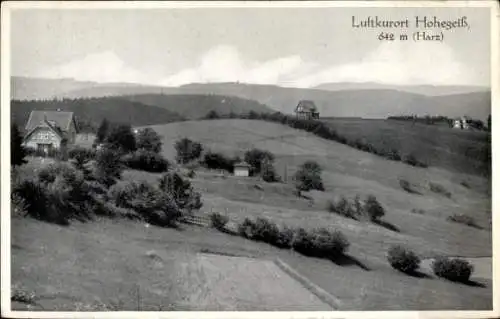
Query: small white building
(241, 169)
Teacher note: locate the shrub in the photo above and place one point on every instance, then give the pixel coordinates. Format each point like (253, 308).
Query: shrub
(212, 115)
(285, 238)
(418, 211)
(463, 219)
(18, 205)
(342, 207)
(147, 139)
(320, 242)
(265, 230)
(180, 190)
(410, 159)
(308, 177)
(406, 186)
(17, 151)
(256, 158)
(218, 221)
(393, 155)
(187, 150)
(146, 160)
(108, 166)
(35, 196)
(454, 269)
(214, 160)
(81, 156)
(373, 208)
(465, 184)
(153, 205)
(439, 189)
(246, 228)
(403, 259)
(121, 138)
(269, 174)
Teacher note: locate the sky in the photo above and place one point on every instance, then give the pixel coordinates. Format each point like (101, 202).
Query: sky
(295, 47)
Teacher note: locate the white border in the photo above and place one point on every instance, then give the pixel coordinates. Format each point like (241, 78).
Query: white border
(5, 155)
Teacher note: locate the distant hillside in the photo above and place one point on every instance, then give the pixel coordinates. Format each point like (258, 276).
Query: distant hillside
(429, 90)
(350, 101)
(96, 109)
(197, 106)
(356, 103)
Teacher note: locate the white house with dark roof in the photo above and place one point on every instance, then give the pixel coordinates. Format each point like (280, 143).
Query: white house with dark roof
(241, 169)
(49, 130)
(306, 110)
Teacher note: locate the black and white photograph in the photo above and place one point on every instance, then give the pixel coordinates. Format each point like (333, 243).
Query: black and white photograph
(298, 157)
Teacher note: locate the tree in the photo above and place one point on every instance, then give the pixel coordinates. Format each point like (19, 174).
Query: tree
(149, 140)
(17, 151)
(102, 131)
(308, 177)
(108, 166)
(269, 173)
(373, 208)
(187, 150)
(122, 138)
(489, 122)
(256, 157)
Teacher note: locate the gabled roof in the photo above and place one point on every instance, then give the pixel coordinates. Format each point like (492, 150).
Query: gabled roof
(306, 106)
(59, 119)
(242, 164)
(45, 124)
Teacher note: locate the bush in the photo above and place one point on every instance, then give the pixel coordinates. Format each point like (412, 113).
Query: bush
(17, 150)
(406, 186)
(180, 190)
(418, 211)
(145, 160)
(320, 242)
(58, 194)
(463, 219)
(454, 269)
(439, 189)
(153, 205)
(212, 115)
(35, 198)
(269, 174)
(285, 238)
(246, 228)
(121, 138)
(108, 166)
(373, 209)
(412, 160)
(256, 158)
(147, 139)
(308, 177)
(218, 221)
(403, 259)
(187, 150)
(342, 207)
(265, 230)
(214, 160)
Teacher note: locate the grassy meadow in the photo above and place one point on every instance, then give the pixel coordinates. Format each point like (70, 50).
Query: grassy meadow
(84, 265)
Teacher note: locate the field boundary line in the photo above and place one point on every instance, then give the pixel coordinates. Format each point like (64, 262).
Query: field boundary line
(319, 292)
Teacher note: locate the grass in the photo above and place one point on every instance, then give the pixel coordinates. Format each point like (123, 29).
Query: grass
(455, 150)
(59, 263)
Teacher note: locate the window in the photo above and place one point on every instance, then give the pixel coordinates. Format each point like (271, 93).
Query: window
(43, 135)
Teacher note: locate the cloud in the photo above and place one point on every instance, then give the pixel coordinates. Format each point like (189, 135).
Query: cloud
(399, 63)
(99, 67)
(224, 63)
(390, 63)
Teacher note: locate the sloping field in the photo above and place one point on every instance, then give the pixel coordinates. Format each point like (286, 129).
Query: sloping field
(455, 150)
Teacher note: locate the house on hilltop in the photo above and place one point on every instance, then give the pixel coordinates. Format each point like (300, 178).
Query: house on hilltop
(50, 130)
(306, 110)
(462, 123)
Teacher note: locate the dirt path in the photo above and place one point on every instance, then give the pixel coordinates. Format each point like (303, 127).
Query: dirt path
(213, 282)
